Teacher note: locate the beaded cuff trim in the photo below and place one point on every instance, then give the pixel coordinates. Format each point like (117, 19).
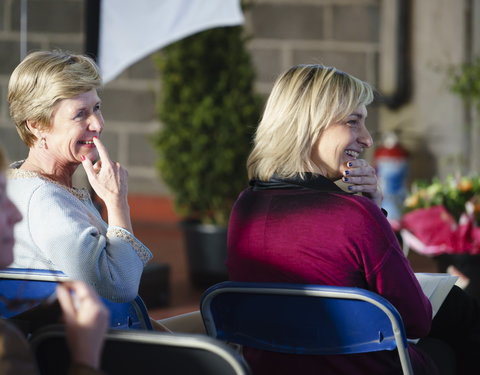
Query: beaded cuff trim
(143, 253)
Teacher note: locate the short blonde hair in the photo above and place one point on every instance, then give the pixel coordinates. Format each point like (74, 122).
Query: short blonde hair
(41, 80)
(304, 100)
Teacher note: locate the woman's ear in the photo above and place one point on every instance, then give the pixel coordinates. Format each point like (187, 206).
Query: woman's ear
(34, 128)
(37, 131)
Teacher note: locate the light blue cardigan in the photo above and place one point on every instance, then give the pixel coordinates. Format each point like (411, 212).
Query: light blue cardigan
(62, 230)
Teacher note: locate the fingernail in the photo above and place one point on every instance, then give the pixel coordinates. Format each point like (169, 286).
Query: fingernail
(349, 164)
(347, 172)
(82, 157)
(95, 137)
(345, 179)
(350, 187)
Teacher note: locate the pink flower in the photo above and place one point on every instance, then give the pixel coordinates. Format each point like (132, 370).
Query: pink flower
(434, 231)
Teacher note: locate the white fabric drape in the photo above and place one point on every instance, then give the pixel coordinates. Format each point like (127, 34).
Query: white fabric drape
(132, 29)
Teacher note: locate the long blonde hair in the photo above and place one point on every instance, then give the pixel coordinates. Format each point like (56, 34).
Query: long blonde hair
(304, 100)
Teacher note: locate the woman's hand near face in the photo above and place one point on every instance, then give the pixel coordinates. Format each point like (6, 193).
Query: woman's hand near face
(86, 321)
(362, 178)
(109, 181)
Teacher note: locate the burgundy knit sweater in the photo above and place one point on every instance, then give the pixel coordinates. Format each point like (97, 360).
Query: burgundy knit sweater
(323, 236)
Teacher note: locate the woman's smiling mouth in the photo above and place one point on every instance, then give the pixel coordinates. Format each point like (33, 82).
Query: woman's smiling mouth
(353, 154)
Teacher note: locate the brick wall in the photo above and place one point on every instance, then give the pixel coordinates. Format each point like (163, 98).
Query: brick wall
(284, 33)
(51, 24)
(292, 32)
(289, 32)
(348, 34)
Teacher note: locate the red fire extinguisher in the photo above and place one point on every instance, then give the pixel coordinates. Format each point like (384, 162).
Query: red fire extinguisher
(391, 162)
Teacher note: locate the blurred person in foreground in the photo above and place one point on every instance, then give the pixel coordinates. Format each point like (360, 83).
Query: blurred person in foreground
(85, 317)
(54, 103)
(294, 224)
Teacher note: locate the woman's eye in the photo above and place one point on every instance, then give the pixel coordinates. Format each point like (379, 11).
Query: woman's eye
(353, 122)
(97, 108)
(79, 114)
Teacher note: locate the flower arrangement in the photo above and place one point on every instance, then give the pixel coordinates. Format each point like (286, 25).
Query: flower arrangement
(443, 216)
(457, 195)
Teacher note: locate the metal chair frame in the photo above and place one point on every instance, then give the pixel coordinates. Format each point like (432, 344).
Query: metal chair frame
(143, 352)
(36, 285)
(304, 319)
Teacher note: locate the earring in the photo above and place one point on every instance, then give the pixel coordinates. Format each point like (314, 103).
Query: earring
(42, 142)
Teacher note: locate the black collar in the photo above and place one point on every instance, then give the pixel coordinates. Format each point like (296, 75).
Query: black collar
(310, 181)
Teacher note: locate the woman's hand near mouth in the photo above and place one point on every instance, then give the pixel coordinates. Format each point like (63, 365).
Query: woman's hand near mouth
(362, 178)
(109, 181)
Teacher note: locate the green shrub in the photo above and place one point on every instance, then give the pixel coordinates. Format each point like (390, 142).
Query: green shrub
(209, 112)
(466, 82)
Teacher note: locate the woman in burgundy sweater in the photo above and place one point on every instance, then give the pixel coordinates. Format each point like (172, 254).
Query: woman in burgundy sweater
(294, 224)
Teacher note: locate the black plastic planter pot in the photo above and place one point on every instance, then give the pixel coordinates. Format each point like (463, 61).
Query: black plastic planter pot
(206, 247)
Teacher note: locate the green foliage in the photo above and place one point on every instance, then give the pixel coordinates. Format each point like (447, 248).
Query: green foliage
(457, 195)
(466, 82)
(209, 112)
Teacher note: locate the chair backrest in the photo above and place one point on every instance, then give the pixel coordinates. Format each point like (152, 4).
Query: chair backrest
(23, 290)
(129, 315)
(142, 352)
(304, 319)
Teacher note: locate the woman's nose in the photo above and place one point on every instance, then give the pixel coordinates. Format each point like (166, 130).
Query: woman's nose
(365, 138)
(96, 123)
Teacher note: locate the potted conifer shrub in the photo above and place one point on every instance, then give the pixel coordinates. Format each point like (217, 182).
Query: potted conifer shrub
(208, 110)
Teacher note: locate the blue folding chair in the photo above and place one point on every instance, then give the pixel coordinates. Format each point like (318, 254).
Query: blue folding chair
(22, 290)
(304, 319)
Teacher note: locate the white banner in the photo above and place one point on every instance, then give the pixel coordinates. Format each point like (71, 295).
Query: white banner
(133, 29)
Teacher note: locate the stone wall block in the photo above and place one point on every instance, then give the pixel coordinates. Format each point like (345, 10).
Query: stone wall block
(4, 116)
(4, 9)
(110, 139)
(287, 21)
(372, 123)
(136, 106)
(267, 63)
(52, 16)
(356, 23)
(141, 150)
(143, 69)
(10, 56)
(343, 33)
(351, 62)
(11, 143)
